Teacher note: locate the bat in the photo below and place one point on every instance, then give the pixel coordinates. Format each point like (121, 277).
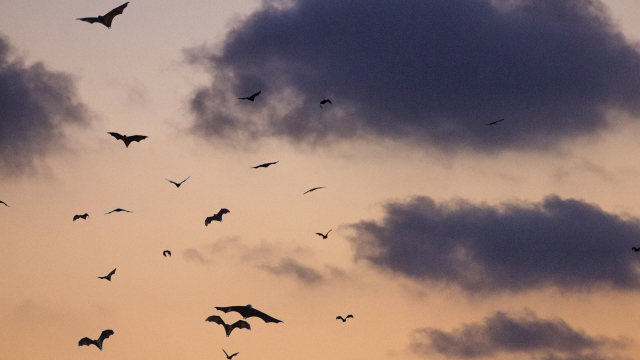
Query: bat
(230, 356)
(178, 184)
(228, 328)
(636, 249)
(216, 217)
(494, 122)
(252, 97)
(107, 18)
(118, 210)
(265, 165)
(248, 311)
(344, 319)
(128, 139)
(108, 277)
(314, 189)
(324, 236)
(166, 252)
(84, 217)
(325, 101)
(5, 204)
(86, 341)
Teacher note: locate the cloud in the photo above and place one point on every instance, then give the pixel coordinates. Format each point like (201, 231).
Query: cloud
(426, 72)
(501, 333)
(566, 244)
(35, 105)
(290, 266)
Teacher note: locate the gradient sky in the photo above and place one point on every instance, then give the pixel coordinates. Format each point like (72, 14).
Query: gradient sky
(450, 239)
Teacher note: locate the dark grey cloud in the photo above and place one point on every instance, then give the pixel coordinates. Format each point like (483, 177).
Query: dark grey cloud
(526, 335)
(566, 244)
(428, 72)
(35, 105)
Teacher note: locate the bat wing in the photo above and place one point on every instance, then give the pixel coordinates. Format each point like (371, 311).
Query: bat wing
(320, 234)
(108, 17)
(240, 324)
(90, 20)
(208, 221)
(185, 180)
(2, 202)
(173, 182)
(86, 341)
(106, 333)
(349, 316)
(216, 319)
(137, 138)
(222, 212)
(230, 356)
(111, 273)
(266, 318)
(76, 217)
(339, 317)
(114, 134)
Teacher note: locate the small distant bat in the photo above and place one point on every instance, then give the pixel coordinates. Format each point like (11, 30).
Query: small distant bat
(166, 252)
(636, 249)
(248, 311)
(265, 165)
(5, 204)
(108, 277)
(240, 324)
(106, 19)
(314, 189)
(84, 217)
(216, 217)
(118, 210)
(178, 184)
(128, 139)
(86, 341)
(344, 319)
(230, 356)
(252, 97)
(494, 122)
(324, 236)
(325, 101)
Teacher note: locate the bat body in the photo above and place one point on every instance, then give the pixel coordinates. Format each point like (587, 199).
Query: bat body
(228, 328)
(247, 312)
(252, 97)
(230, 356)
(636, 249)
(5, 204)
(108, 277)
(216, 217)
(314, 189)
(265, 165)
(118, 210)
(324, 236)
(325, 101)
(128, 139)
(344, 319)
(494, 122)
(107, 18)
(166, 252)
(86, 341)
(178, 184)
(84, 217)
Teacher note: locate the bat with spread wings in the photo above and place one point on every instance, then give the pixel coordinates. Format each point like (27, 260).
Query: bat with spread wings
(86, 341)
(128, 139)
(252, 97)
(216, 217)
(228, 328)
(324, 236)
(118, 210)
(108, 277)
(344, 319)
(178, 184)
(314, 189)
(230, 356)
(265, 165)
(83, 217)
(247, 312)
(107, 18)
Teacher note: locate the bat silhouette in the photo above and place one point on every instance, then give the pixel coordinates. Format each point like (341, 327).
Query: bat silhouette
(84, 217)
(108, 277)
(314, 189)
(265, 165)
(216, 217)
(252, 97)
(344, 319)
(128, 139)
(228, 328)
(325, 101)
(494, 122)
(86, 341)
(247, 312)
(230, 356)
(5, 204)
(166, 252)
(106, 19)
(118, 210)
(324, 236)
(636, 249)
(178, 184)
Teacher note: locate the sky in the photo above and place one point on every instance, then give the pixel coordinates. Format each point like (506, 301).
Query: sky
(450, 238)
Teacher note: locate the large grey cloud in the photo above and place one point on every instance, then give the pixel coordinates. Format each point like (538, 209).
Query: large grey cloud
(527, 336)
(429, 72)
(35, 105)
(566, 244)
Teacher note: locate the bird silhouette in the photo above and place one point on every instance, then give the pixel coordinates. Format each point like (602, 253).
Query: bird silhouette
(314, 189)
(84, 217)
(228, 328)
(248, 311)
(230, 356)
(325, 101)
(344, 319)
(166, 252)
(108, 277)
(107, 18)
(636, 249)
(86, 341)
(117, 210)
(128, 139)
(5, 204)
(216, 217)
(178, 184)
(265, 165)
(494, 122)
(252, 97)
(324, 236)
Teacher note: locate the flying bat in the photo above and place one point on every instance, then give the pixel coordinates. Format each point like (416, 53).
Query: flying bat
(178, 184)
(128, 139)
(118, 210)
(636, 249)
(344, 319)
(86, 341)
(248, 311)
(230, 356)
(314, 189)
(265, 165)
(108, 277)
(84, 217)
(106, 19)
(5, 204)
(166, 252)
(324, 236)
(240, 324)
(216, 217)
(252, 97)
(325, 101)
(494, 122)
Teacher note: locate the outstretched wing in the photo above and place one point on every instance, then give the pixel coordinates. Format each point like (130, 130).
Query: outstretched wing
(216, 319)
(242, 310)
(2, 202)
(230, 356)
(184, 180)
(316, 188)
(106, 333)
(86, 341)
(76, 217)
(240, 324)
(266, 318)
(108, 17)
(208, 220)
(222, 212)
(349, 316)
(90, 20)
(111, 273)
(173, 182)
(340, 317)
(114, 134)
(136, 138)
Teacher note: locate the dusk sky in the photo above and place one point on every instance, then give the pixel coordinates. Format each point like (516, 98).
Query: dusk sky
(450, 239)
